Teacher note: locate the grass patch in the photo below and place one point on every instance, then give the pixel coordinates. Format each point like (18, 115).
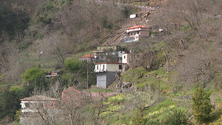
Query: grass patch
(101, 90)
(185, 28)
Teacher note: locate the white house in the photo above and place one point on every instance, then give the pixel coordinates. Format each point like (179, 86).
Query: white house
(106, 71)
(135, 33)
(30, 104)
(109, 66)
(32, 107)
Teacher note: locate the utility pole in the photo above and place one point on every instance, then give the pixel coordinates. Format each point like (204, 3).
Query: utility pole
(87, 75)
(158, 88)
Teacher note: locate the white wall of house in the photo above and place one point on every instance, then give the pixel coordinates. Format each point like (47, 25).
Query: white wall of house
(136, 33)
(132, 30)
(32, 105)
(109, 67)
(125, 58)
(100, 67)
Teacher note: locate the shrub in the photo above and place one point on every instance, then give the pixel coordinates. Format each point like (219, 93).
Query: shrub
(32, 73)
(139, 120)
(17, 116)
(178, 117)
(218, 122)
(201, 105)
(72, 65)
(106, 22)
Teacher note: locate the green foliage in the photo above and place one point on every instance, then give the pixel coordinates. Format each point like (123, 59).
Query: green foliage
(139, 120)
(218, 122)
(11, 21)
(165, 103)
(72, 65)
(106, 22)
(68, 79)
(9, 103)
(178, 117)
(32, 73)
(44, 19)
(17, 116)
(167, 115)
(101, 90)
(10, 100)
(216, 116)
(127, 10)
(49, 6)
(184, 28)
(15, 88)
(83, 66)
(81, 69)
(42, 82)
(201, 106)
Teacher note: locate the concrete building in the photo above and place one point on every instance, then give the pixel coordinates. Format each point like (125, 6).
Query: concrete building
(135, 33)
(36, 108)
(108, 54)
(106, 71)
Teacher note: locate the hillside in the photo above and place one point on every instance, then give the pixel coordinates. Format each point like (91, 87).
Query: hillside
(50, 35)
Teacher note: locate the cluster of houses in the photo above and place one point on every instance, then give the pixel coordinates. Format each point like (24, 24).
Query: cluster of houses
(111, 59)
(108, 61)
(38, 108)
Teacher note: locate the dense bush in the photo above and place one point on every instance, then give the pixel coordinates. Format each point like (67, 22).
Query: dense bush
(178, 117)
(32, 74)
(72, 65)
(83, 72)
(127, 10)
(106, 23)
(201, 106)
(10, 100)
(11, 21)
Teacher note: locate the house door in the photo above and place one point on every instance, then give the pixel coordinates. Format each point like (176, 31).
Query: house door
(101, 80)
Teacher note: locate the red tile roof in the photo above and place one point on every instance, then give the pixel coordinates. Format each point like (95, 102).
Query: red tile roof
(137, 26)
(87, 56)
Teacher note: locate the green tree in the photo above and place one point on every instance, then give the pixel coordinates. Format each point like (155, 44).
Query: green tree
(87, 66)
(72, 65)
(201, 106)
(10, 103)
(10, 100)
(32, 73)
(11, 21)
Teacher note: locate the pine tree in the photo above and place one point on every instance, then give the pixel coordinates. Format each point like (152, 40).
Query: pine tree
(201, 106)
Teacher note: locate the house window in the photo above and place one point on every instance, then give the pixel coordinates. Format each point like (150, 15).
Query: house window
(27, 105)
(120, 67)
(103, 67)
(97, 67)
(124, 57)
(137, 32)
